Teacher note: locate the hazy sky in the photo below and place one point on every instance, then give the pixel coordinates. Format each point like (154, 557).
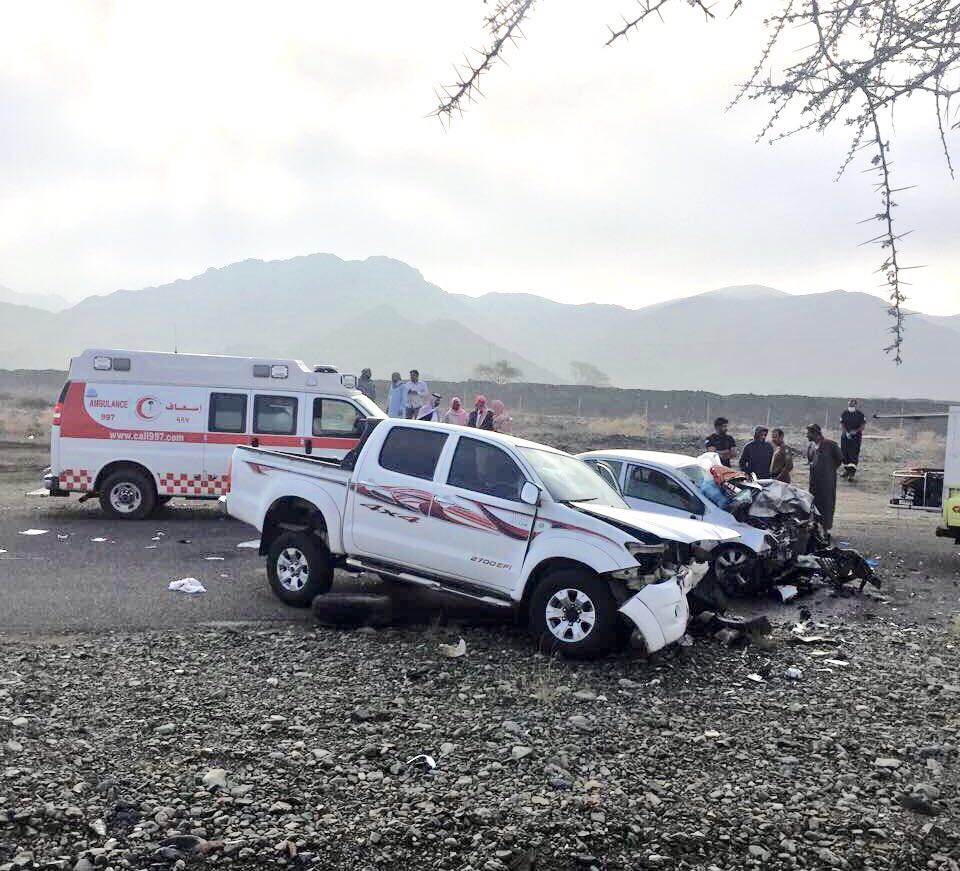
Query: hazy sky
(145, 141)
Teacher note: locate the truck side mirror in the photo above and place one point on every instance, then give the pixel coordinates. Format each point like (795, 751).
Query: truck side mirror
(530, 494)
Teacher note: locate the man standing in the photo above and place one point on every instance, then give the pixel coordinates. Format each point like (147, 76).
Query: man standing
(757, 455)
(417, 394)
(721, 442)
(397, 397)
(782, 463)
(825, 459)
(366, 386)
(851, 435)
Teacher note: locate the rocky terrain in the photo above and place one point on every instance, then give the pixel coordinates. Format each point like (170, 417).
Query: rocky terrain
(256, 748)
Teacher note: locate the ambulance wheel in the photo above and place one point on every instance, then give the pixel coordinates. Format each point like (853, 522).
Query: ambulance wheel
(299, 568)
(128, 494)
(574, 613)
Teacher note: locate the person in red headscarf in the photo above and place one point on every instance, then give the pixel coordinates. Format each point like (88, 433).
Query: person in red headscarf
(502, 422)
(481, 417)
(456, 413)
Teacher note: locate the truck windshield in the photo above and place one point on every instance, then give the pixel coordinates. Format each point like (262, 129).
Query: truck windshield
(568, 479)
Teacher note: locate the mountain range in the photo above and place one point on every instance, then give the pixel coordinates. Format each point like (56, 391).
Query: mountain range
(382, 313)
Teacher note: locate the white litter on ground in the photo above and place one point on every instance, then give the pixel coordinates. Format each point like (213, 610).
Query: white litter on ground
(40, 492)
(254, 543)
(150, 547)
(98, 539)
(454, 651)
(187, 585)
(211, 558)
(424, 760)
(34, 532)
(64, 536)
(2, 550)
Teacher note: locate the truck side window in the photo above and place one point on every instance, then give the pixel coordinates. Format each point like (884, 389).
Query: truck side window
(228, 412)
(484, 468)
(412, 451)
(275, 415)
(335, 417)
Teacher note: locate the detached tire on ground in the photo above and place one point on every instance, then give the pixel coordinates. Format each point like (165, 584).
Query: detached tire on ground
(128, 494)
(298, 567)
(352, 610)
(574, 613)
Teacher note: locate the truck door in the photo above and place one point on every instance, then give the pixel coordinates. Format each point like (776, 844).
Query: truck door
(393, 491)
(485, 525)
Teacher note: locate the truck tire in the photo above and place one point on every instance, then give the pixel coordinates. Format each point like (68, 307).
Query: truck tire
(352, 610)
(298, 566)
(574, 613)
(128, 494)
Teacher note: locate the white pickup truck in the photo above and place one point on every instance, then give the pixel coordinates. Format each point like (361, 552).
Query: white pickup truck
(479, 514)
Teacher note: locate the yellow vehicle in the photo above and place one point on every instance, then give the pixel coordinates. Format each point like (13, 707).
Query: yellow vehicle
(932, 489)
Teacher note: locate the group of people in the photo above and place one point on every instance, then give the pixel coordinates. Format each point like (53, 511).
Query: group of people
(774, 459)
(412, 399)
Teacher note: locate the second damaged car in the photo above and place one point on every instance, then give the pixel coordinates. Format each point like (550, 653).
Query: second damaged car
(478, 514)
(776, 522)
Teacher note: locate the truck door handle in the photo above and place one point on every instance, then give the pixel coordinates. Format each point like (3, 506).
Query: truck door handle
(308, 445)
(254, 442)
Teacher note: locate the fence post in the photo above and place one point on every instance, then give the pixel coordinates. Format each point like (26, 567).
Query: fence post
(826, 420)
(579, 405)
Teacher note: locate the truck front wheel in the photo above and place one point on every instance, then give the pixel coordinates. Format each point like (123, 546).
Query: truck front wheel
(574, 613)
(299, 568)
(128, 494)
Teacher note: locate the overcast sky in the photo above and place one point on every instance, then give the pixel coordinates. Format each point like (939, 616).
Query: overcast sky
(146, 141)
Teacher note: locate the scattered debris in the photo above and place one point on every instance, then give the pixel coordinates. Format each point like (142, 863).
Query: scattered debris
(253, 543)
(99, 539)
(786, 592)
(213, 558)
(63, 536)
(184, 541)
(755, 678)
(453, 651)
(187, 585)
(34, 532)
(839, 662)
(686, 640)
(423, 761)
(793, 673)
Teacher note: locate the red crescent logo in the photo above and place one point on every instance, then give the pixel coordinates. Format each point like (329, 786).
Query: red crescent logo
(148, 408)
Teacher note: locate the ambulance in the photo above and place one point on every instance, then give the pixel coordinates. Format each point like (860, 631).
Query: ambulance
(138, 428)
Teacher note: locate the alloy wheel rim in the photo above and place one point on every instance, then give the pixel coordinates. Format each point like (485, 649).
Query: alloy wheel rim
(570, 615)
(293, 570)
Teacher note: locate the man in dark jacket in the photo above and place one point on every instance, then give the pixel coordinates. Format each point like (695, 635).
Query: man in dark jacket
(757, 455)
(721, 442)
(825, 459)
(366, 386)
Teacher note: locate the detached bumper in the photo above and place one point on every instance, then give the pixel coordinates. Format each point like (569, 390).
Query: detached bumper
(659, 612)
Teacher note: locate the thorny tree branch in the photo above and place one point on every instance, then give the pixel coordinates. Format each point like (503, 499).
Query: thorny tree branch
(861, 59)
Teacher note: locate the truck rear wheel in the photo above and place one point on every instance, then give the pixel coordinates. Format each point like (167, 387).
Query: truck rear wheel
(574, 613)
(128, 494)
(299, 568)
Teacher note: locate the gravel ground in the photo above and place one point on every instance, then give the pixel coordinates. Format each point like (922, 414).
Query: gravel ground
(290, 747)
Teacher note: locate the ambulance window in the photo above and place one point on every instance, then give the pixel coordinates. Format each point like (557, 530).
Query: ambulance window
(335, 417)
(275, 415)
(228, 412)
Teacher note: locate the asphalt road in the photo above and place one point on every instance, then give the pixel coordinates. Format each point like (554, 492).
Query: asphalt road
(66, 580)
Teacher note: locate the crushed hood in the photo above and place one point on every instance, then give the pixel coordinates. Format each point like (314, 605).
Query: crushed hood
(668, 528)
